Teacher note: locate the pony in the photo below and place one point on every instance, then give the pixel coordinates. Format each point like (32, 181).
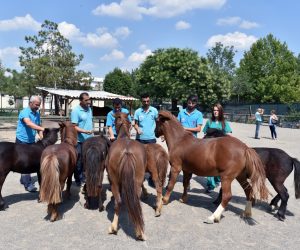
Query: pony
(126, 165)
(278, 166)
(23, 158)
(227, 157)
(58, 164)
(94, 152)
(157, 166)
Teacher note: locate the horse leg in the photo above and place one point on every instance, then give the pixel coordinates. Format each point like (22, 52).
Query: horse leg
(226, 196)
(101, 207)
(284, 196)
(39, 181)
(186, 181)
(113, 229)
(172, 180)
(274, 202)
(219, 198)
(2, 179)
(68, 189)
(158, 188)
(144, 191)
(54, 213)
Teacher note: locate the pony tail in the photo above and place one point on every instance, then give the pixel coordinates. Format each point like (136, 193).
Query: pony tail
(162, 162)
(92, 164)
(130, 194)
(257, 174)
(296, 177)
(50, 187)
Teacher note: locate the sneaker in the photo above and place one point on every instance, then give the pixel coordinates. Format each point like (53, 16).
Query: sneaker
(31, 188)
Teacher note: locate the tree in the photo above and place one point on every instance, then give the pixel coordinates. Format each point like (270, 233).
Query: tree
(174, 74)
(221, 63)
(118, 82)
(50, 61)
(269, 72)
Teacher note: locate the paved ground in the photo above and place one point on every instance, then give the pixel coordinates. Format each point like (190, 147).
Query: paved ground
(23, 224)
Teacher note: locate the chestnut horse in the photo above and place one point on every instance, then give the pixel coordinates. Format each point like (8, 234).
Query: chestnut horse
(57, 164)
(94, 152)
(126, 165)
(227, 157)
(23, 158)
(278, 166)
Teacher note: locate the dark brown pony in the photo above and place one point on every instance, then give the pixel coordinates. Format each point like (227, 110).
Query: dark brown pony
(157, 166)
(227, 157)
(58, 164)
(278, 166)
(126, 165)
(94, 152)
(23, 158)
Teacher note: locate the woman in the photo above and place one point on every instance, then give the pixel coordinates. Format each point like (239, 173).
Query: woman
(272, 124)
(217, 121)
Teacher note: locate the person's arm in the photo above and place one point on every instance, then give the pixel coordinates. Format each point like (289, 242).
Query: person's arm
(32, 125)
(81, 130)
(111, 133)
(136, 127)
(196, 129)
(109, 122)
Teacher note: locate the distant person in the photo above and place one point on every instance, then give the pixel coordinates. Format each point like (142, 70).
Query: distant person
(258, 121)
(29, 122)
(273, 120)
(190, 118)
(82, 117)
(217, 121)
(110, 120)
(144, 124)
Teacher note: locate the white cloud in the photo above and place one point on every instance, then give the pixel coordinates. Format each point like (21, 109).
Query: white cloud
(10, 57)
(17, 23)
(114, 55)
(68, 30)
(239, 40)
(135, 9)
(182, 25)
(122, 32)
(139, 57)
(237, 21)
(105, 40)
(87, 66)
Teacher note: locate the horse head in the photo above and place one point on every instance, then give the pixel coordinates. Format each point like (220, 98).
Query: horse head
(122, 124)
(50, 136)
(162, 118)
(68, 133)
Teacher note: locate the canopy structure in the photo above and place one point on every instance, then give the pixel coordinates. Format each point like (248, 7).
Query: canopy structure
(70, 95)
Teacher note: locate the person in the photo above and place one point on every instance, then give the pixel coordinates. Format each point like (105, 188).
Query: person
(144, 124)
(110, 120)
(29, 122)
(190, 118)
(258, 121)
(82, 117)
(217, 121)
(144, 121)
(273, 120)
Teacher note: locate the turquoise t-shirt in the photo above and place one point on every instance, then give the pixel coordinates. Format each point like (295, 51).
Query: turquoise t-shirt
(84, 119)
(24, 133)
(110, 119)
(146, 122)
(217, 125)
(190, 120)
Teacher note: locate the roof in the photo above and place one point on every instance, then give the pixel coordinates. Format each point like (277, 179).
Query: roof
(99, 95)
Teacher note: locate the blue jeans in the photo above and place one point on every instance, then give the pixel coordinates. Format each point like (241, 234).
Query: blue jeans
(25, 178)
(258, 123)
(213, 181)
(78, 173)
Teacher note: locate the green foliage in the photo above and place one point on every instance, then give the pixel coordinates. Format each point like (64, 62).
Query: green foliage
(50, 61)
(119, 82)
(269, 73)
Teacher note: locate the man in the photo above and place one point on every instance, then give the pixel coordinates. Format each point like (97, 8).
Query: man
(110, 120)
(29, 123)
(190, 118)
(82, 117)
(258, 121)
(144, 121)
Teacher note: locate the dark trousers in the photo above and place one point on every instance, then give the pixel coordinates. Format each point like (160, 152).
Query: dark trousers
(273, 131)
(147, 141)
(78, 173)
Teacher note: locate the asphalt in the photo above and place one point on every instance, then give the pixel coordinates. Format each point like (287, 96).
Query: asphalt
(23, 225)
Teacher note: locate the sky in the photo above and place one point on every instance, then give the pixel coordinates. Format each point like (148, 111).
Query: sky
(123, 33)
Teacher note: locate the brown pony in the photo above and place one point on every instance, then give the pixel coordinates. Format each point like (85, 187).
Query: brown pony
(157, 166)
(126, 165)
(227, 157)
(94, 152)
(57, 164)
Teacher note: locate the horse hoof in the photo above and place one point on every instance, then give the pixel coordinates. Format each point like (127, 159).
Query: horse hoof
(157, 213)
(183, 200)
(273, 208)
(2, 207)
(141, 237)
(209, 221)
(165, 201)
(86, 205)
(246, 215)
(101, 208)
(279, 217)
(111, 230)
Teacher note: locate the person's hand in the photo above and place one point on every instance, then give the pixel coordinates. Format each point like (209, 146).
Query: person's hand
(139, 131)
(89, 132)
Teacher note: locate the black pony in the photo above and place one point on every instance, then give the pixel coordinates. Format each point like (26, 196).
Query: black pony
(94, 151)
(278, 166)
(23, 158)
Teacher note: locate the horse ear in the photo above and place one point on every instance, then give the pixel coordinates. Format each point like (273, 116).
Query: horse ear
(61, 124)
(162, 118)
